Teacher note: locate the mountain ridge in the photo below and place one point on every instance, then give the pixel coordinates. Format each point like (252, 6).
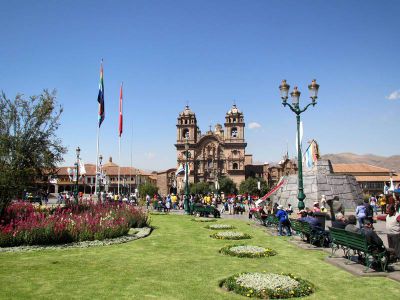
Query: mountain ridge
(389, 162)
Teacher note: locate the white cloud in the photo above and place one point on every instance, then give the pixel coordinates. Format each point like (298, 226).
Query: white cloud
(254, 125)
(394, 95)
(149, 155)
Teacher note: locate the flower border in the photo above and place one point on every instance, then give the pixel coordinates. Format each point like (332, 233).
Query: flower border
(305, 288)
(204, 220)
(227, 251)
(226, 228)
(243, 237)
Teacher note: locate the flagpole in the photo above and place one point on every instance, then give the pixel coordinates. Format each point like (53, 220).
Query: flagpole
(97, 165)
(119, 135)
(119, 164)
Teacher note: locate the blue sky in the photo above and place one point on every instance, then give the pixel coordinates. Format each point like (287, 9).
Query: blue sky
(208, 53)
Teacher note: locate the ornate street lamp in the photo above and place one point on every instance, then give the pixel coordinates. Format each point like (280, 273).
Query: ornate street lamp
(295, 107)
(186, 202)
(78, 151)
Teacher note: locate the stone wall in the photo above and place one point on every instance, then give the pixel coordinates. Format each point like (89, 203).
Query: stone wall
(318, 181)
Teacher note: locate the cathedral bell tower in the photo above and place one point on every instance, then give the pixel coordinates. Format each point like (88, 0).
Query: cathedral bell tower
(234, 126)
(187, 127)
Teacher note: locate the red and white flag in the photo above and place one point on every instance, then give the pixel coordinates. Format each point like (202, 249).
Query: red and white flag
(120, 111)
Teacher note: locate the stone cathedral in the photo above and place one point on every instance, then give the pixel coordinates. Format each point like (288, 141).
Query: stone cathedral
(218, 152)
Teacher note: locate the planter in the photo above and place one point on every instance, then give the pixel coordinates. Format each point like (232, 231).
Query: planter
(230, 235)
(247, 251)
(220, 226)
(268, 285)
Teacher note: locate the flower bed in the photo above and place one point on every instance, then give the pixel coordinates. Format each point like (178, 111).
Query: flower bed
(23, 224)
(204, 220)
(230, 235)
(268, 285)
(247, 251)
(220, 226)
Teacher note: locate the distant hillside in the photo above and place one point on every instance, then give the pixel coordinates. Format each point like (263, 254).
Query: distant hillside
(391, 162)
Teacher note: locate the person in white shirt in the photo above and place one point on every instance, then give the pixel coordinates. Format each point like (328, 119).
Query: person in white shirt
(393, 229)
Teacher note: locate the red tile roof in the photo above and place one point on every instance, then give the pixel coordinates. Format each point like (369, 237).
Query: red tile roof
(358, 168)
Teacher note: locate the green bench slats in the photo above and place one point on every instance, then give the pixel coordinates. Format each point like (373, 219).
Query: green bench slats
(351, 241)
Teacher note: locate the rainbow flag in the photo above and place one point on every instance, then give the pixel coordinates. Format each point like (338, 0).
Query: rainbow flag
(100, 97)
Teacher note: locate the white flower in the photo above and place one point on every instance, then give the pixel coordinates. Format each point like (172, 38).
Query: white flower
(264, 281)
(247, 249)
(220, 226)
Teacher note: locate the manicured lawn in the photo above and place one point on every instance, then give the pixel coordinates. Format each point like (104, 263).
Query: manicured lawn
(177, 261)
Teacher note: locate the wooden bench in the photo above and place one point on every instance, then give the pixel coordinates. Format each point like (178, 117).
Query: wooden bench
(204, 210)
(307, 232)
(356, 242)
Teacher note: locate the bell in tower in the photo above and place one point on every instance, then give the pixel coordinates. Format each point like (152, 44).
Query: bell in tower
(234, 125)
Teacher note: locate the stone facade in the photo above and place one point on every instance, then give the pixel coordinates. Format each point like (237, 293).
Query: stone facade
(166, 182)
(216, 153)
(318, 181)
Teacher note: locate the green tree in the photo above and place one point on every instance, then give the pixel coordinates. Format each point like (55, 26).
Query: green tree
(227, 185)
(250, 186)
(29, 147)
(200, 188)
(147, 189)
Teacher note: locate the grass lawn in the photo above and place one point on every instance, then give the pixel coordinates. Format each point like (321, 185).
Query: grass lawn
(177, 261)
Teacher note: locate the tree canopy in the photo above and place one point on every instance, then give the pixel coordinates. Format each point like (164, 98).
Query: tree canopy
(147, 189)
(29, 147)
(202, 188)
(250, 186)
(227, 185)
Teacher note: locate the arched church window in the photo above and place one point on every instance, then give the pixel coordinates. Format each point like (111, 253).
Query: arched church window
(235, 166)
(234, 132)
(234, 120)
(185, 133)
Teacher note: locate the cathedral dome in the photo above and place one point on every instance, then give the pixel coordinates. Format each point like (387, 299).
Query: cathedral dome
(187, 112)
(233, 110)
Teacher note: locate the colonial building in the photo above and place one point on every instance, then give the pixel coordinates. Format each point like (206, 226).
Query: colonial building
(216, 153)
(130, 179)
(272, 173)
(372, 179)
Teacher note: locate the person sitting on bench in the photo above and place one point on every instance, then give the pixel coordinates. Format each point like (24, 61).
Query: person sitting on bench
(372, 238)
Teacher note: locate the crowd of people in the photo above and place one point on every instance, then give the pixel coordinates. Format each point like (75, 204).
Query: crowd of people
(231, 204)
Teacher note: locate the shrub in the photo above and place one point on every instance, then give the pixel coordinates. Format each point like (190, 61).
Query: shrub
(25, 225)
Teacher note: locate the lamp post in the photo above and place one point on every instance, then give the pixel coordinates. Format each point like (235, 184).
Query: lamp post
(186, 202)
(295, 107)
(100, 175)
(78, 151)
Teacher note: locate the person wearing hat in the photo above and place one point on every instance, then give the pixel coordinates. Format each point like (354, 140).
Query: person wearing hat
(283, 217)
(316, 207)
(372, 238)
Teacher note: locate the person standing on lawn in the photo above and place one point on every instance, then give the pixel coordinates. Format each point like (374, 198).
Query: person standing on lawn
(283, 217)
(393, 229)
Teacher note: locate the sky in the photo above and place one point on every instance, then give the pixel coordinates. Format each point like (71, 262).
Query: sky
(209, 54)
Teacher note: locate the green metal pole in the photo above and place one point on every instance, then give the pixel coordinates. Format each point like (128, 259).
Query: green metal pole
(301, 196)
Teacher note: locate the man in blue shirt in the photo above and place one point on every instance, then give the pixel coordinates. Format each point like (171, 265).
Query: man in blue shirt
(282, 215)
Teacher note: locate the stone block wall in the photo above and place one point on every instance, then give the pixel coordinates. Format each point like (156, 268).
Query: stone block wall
(318, 181)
